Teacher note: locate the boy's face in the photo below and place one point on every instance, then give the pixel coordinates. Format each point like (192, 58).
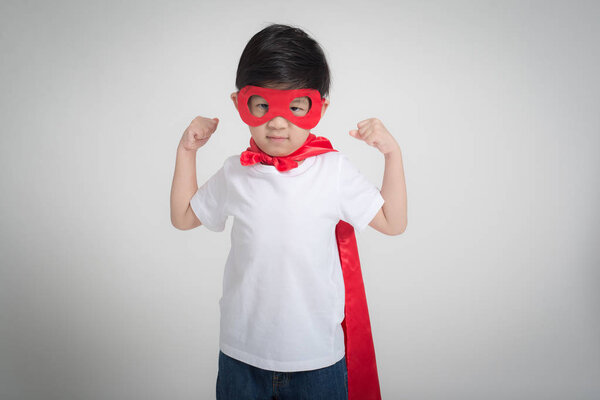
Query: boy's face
(278, 136)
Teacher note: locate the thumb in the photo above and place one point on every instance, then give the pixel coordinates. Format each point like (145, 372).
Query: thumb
(354, 133)
(215, 124)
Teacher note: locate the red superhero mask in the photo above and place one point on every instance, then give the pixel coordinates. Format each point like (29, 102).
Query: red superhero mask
(277, 102)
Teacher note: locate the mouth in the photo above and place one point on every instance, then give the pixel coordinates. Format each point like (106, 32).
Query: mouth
(276, 138)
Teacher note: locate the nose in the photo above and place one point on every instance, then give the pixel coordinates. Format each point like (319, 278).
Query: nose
(278, 122)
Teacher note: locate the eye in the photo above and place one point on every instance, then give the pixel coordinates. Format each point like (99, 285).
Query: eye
(266, 106)
(300, 106)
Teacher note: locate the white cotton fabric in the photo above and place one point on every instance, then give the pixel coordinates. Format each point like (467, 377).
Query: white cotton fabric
(283, 288)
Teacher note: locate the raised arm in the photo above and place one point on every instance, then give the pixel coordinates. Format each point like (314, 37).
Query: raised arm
(392, 217)
(185, 184)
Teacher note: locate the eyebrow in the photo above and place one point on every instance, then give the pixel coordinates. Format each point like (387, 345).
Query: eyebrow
(300, 99)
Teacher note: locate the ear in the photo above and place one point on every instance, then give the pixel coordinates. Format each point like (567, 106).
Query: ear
(234, 99)
(325, 105)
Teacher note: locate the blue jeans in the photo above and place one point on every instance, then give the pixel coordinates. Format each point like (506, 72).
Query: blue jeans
(237, 380)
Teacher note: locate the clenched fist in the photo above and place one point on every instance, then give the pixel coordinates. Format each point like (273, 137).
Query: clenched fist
(197, 134)
(373, 132)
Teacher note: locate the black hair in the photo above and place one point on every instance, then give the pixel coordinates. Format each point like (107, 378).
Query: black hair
(283, 55)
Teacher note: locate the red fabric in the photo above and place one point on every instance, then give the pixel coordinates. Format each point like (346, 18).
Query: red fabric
(363, 382)
(312, 146)
(278, 103)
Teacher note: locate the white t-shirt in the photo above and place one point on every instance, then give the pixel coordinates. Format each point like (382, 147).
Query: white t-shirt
(283, 288)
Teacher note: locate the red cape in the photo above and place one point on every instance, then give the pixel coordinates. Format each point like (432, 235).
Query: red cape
(363, 382)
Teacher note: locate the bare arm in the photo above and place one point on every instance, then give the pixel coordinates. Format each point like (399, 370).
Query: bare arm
(185, 184)
(183, 188)
(392, 217)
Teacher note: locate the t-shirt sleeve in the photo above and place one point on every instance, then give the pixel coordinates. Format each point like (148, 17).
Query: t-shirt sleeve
(360, 200)
(209, 201)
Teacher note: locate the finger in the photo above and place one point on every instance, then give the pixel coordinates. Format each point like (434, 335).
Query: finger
(211, 129)
(364, 131)
(354, 133)
(200, 135)
(372, 141)
(368, 135)
(363, 122)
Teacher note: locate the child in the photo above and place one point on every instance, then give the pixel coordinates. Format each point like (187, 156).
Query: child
(285, 321)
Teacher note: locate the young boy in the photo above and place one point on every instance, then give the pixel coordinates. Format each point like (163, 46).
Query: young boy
(284, 291)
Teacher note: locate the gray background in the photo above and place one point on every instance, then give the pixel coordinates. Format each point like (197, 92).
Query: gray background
(492, 291)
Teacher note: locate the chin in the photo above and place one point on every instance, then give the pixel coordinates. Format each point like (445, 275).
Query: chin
(277, 153)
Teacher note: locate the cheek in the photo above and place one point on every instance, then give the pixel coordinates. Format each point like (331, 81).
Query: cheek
(301, 137)
(257, 133)
(298, 134)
